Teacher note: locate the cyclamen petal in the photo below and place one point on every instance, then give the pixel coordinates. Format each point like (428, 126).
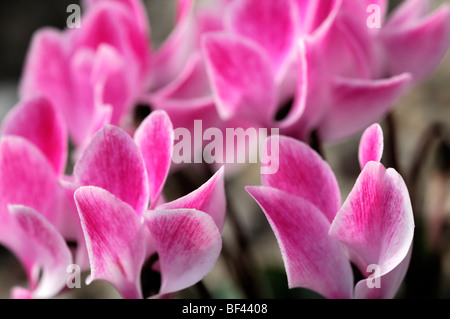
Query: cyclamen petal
(45, 71)
(312, 259)
(312, 178)
(407, 13)
(26, 178)
(356, 103)
(271, 24)
(40, 246)
(114, 237)
(241, 77)
(433, 35)
(376, 222)
(113, 162)
(389, 282)
(154, 138)
(188, 245)
(37, 121)
(169, 59)
(208, 198)
(371, 145)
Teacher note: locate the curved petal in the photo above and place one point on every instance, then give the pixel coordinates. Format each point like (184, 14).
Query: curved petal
(208, 198)
(169, 59)
(191, 83)
(26, 178)
(241, 77)
(110, 23)
(408, 12)
(312, 259)
(188, 245)
(376, 221)
(303, 173)
(358, 103)
(154, 138)
(37, 121)
(45, 71)
(418, 47)
(40, 246)
(315, 15)
(136, 8)
(371, 145)
(389, 282)
(271, 24)
(114, 239)
(112, 161)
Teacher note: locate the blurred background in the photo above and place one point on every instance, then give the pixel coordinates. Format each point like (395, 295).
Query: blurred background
(417, 136)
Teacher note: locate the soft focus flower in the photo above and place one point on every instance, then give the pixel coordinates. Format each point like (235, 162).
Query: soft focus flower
(32, 157)
(93, 74)
(318, 238)
(126, 221)
(317, 65)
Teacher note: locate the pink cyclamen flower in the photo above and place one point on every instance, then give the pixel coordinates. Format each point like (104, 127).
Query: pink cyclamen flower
(93, 74)
(318, 237)
(106, 72)
(31, 208)
(126, 222)
(318, 65)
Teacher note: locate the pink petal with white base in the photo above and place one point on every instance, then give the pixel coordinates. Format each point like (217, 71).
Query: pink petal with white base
(371, 145)
(389, 282)
(241, 77)
(113, 162)
(312, 178)
(376, 222)
(40, 247)
(358, 103)
(154, 138)
(403, 53)
(26, 178)
(271, 24)
(208, 198)
(114, 239)
(37, 121)
(312, 259)
(188, 244)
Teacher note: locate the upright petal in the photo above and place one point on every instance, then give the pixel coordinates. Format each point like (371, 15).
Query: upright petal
(46, 69)
(26, 178)
(241, 77)
(114, 239)
(271, 24)
(188, 244)
(154, 138)
(303, 173)
(371, 145)
(376, 221)
(40, 247)
(312, 259)
(37, 121)
(417, 47)
(208, 198)
(169, 59)
(358, 103)
(113, 162)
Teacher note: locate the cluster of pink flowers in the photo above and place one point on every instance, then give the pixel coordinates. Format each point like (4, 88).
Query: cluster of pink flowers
(303, 66)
